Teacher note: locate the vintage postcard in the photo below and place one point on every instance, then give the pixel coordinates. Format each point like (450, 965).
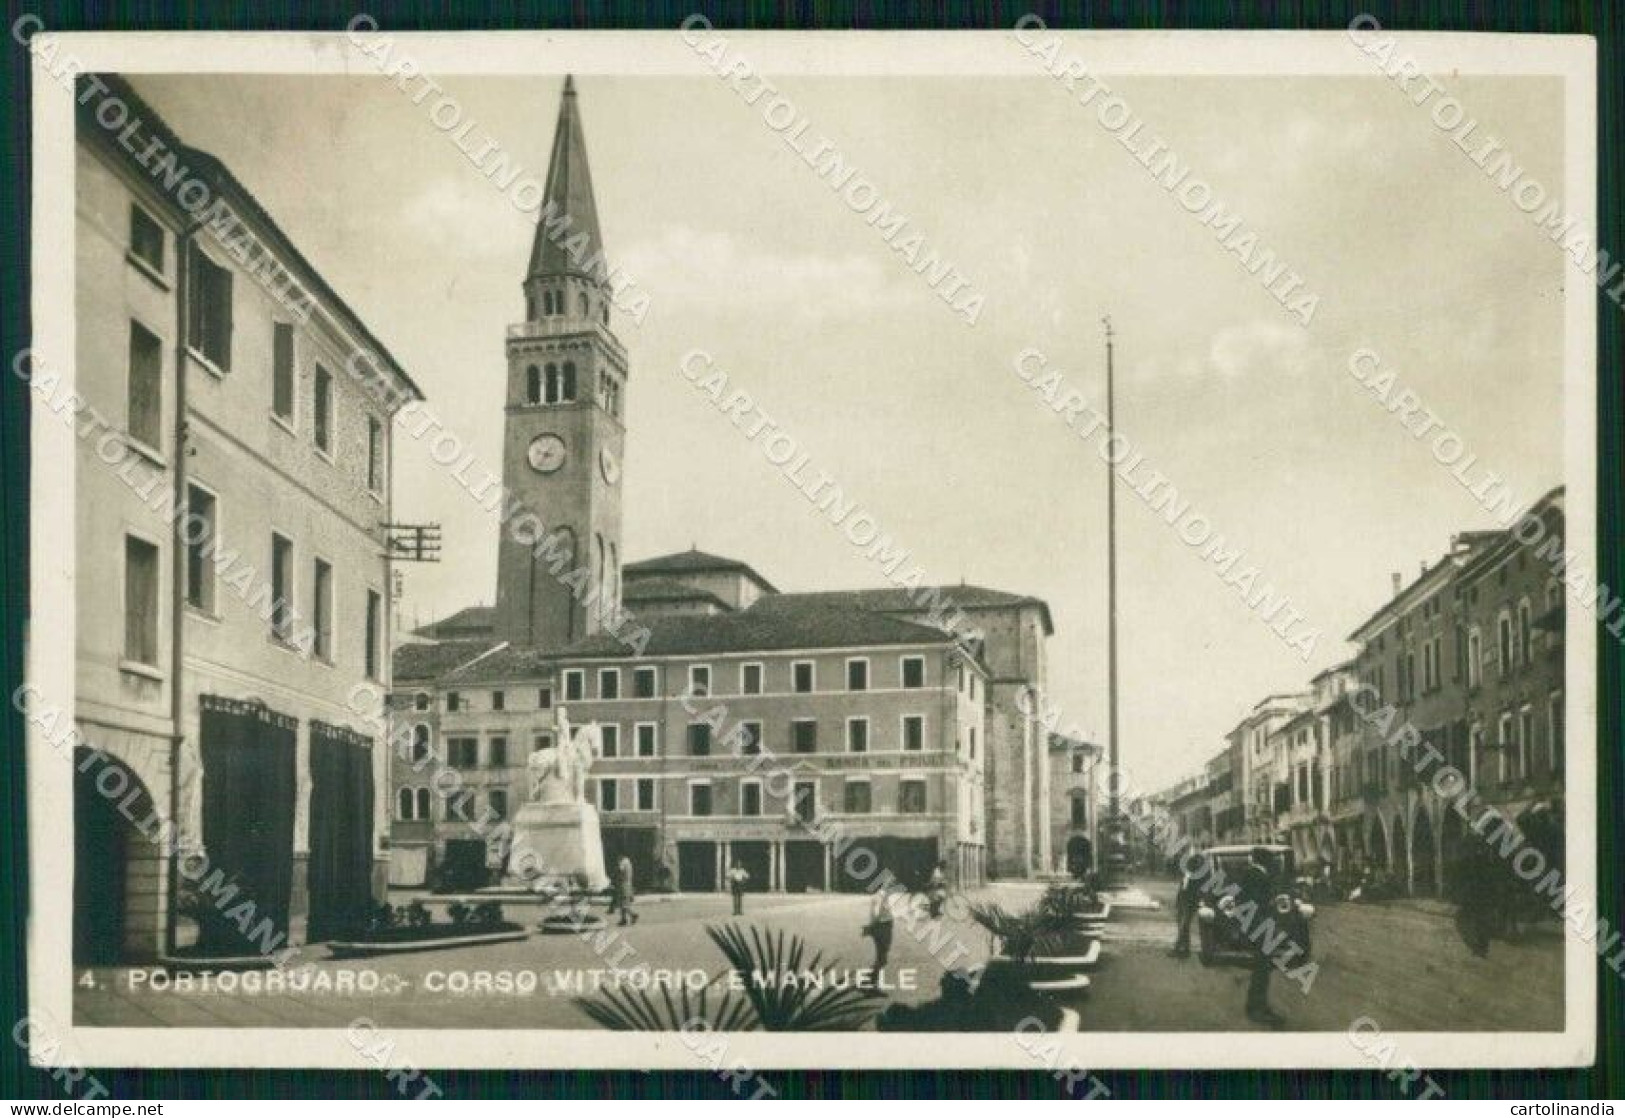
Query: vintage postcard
(605, 550)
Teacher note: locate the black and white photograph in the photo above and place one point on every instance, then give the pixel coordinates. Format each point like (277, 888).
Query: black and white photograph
(1079, 545)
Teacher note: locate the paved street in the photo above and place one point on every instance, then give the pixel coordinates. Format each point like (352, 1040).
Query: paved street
(1402, 964)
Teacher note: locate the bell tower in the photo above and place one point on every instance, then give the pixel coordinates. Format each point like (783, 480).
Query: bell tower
(561, 459)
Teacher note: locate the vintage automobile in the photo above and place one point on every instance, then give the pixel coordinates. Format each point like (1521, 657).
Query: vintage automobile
(1219, 933)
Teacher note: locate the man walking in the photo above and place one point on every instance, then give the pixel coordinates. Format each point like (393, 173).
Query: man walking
(879, 927)
(1256, 893)
(624, 896)
(738, 877)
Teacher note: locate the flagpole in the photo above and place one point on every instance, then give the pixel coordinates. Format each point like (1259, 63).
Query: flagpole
(1115, 853)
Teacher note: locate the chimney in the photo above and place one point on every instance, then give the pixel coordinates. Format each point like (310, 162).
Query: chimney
(1395, 576)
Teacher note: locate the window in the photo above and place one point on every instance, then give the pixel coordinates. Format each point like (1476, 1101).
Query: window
(145, 421)
(1504, 625)
(569, 382)
(454, 701)
(644, 683)
(857, 735)
(913, 672)
(1080, 812)
(1077, 762)
(609, 795)
(699, 739)
(140, 601)
(405, 805)
(575, 685)
(282, 403)
(612, 740)
(750, 679)
(324, 410)
(208, 312)
(803, 678)
(375, 454)
(646, 794)
(282, 614)
(750, 797)
(146, 239)
(496, 755)
(553, 395)
(499, 700)
(463, 753)
(541, 741)
(544, 698)
(1524, 632)
(422, 805)
(420, 742)
(609, 683)
(1503, 748)
(1554, 730)
(533, 385)
(1475, 658)
(200, 531)
(1526, 739)
(644, 734)
(911, 797)
(699, 799)
(857, 675)
(804, 735)
(857, 799)
(375, 634)
(496, 801)
(420, 701)
(973, 687)
(321, 588)
(458, 805)
(805, 800)
(913, 733)
(699, 680)
(750, 738)
(973, 742)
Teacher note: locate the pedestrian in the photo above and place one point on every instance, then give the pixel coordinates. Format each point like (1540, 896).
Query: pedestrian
(1256, 893)
(936, 889)
(624, 896)
(1184, 914)
(738, 877)
(879, 927)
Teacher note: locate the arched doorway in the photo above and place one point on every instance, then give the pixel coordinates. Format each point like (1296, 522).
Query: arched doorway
(116, 869)
(1080, 855)
(1376, 843)
(1423, 879)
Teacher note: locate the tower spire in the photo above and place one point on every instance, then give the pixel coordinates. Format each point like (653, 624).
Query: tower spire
(568, 241)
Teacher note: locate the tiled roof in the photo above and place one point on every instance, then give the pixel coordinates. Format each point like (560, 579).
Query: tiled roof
(668, 590)
(473, 621)
(901, 599)
(692, 561)
(810, 626)
(504, 665)
(431, 660)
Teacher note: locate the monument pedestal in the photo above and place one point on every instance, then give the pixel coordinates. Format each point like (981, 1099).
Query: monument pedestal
(557, 844)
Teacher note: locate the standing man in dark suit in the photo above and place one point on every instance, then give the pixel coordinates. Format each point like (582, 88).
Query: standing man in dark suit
(1258, 888)
(1184, 913)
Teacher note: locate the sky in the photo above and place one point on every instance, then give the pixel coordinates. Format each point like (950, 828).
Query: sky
(747, 254)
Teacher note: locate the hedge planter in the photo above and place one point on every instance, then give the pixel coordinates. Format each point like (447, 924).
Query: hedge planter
(429, 937)
(197, 959)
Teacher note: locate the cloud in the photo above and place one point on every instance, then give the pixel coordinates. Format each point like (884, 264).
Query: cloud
(1261, 349)
(716, 271)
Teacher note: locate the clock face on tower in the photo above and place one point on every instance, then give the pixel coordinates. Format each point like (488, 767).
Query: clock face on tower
(610, 465)
(546, 453)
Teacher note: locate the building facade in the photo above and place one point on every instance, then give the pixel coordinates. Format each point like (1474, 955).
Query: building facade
(1074, 804)
(967, 732)
(230, 520)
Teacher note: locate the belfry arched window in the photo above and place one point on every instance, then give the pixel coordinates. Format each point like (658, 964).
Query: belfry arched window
(533, 385)
(553, 382)
(569, 381)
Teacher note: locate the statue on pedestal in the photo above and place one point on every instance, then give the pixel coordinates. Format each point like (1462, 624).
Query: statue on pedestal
(556, 840)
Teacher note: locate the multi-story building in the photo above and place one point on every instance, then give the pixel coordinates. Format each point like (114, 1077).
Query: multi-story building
(562, 582)
(1259, 767)
(230, 522)
(1074, 805)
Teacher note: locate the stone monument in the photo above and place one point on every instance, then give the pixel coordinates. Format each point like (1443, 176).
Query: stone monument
(555, 841)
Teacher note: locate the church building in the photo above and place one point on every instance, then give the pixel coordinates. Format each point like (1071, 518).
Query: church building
(744, 724)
